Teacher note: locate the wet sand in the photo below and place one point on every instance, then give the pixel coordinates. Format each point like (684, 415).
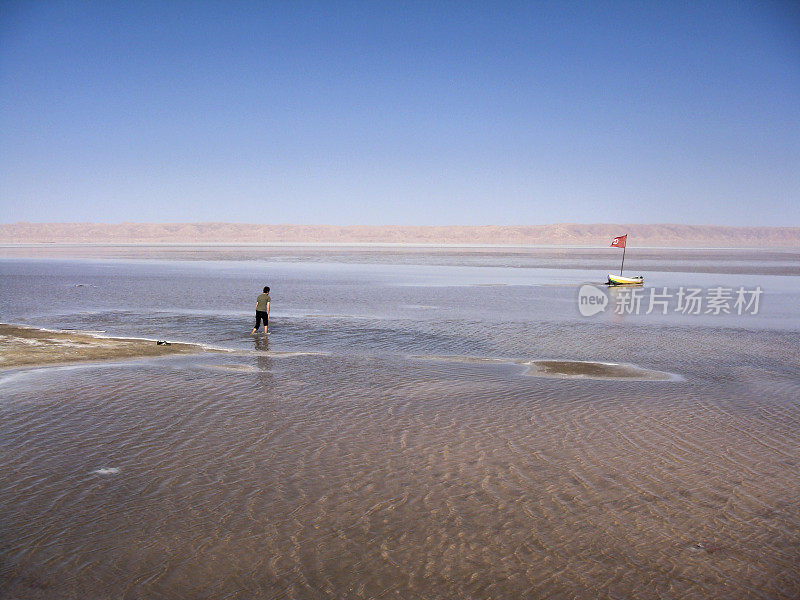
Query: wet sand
(582, 369)
(566, 369)
(27, 347)
(344, 477)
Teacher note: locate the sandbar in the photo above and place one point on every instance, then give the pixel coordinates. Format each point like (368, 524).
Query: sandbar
(581, 369)
(567, 369)
(28, 347)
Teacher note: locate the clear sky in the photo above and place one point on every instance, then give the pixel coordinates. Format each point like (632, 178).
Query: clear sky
(400, 112)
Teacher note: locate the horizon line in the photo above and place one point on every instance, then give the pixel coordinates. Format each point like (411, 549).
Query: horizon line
(551, 224)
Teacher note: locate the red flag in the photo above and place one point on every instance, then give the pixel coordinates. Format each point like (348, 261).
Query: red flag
(619, 242)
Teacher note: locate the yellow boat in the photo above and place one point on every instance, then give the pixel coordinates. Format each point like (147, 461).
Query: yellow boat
(620, 280)
(621, 241)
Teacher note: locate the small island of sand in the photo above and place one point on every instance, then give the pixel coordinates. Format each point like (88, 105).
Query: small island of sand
(567, 369)
(27, 347)
(583, 369)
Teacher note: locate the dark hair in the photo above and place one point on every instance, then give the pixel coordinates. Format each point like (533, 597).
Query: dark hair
(266, 289)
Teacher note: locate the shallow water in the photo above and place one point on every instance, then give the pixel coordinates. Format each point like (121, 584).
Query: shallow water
(341, 457)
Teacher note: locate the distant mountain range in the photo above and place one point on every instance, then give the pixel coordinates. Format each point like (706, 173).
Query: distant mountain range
(556, 234)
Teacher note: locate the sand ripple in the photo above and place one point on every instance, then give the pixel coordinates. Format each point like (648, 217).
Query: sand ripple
(353, 477)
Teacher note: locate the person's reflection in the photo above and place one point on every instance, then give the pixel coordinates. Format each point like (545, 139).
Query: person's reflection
(261, 343)
(263, 360)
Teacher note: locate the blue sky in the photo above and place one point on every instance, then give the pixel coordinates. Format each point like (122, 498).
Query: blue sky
(400, 113)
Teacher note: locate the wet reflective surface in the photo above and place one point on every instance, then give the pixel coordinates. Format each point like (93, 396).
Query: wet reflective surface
(341, 457)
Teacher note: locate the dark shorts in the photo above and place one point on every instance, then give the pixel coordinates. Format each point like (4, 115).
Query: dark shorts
(261, 316)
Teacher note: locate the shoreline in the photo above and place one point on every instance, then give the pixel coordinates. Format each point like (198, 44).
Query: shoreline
(23, 346)
(390, 245)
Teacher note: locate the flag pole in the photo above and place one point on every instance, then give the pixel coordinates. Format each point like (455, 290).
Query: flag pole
(625, 247)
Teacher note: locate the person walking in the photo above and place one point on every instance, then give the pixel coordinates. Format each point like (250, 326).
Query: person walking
(262, 311)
